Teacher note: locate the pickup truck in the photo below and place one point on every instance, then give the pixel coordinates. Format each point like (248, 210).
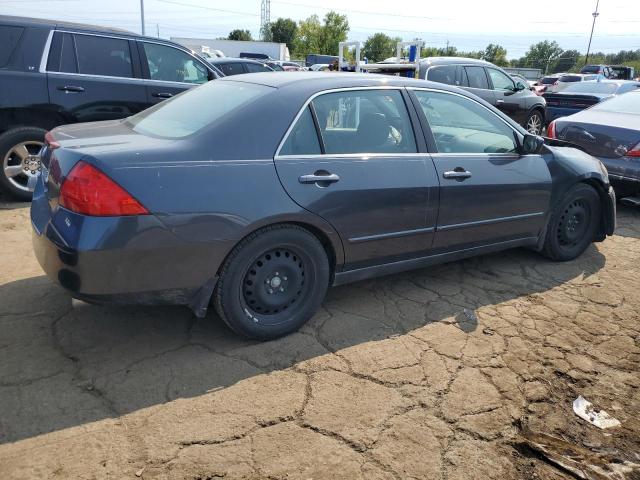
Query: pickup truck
(54, 73)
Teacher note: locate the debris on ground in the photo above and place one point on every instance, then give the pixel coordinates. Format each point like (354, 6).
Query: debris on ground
(588, 412)
(579, 461)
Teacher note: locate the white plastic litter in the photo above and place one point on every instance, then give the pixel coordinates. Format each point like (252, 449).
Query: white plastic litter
(599, 418)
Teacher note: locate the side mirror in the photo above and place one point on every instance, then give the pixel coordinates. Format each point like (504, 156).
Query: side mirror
(519, 87)
(531, 144)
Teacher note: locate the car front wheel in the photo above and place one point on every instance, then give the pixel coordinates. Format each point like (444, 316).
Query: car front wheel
(19, 153)
(534, 123)
(272, 282)
(573, 223)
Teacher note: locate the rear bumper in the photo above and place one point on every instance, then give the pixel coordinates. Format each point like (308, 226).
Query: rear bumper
(623, 172)
(124, 260)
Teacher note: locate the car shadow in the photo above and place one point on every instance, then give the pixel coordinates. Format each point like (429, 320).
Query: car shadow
(65, 363)
(628, 221)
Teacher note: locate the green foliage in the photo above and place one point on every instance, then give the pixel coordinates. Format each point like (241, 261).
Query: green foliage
(567, 62)
(283, 30)
(379, 46)
(308, 38)
(334, 30)
(541, 55)
(238, 34)
(495, 54)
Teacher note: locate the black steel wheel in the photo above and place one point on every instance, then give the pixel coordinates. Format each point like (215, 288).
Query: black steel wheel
(272, 282)
(573, 223)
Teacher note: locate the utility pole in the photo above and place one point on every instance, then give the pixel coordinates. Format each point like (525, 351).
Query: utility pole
(593, 25)
(142, 15)
(447, 47)
(158, 30)
(265, 18)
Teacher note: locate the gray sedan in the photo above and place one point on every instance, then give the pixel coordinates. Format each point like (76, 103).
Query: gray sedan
(256, 193)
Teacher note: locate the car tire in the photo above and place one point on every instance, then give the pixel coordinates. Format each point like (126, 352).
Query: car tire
(534, 123)
(573, 223)
(272, 282)
(13, 155)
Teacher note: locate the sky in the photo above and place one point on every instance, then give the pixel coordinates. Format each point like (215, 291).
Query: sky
(466, 24)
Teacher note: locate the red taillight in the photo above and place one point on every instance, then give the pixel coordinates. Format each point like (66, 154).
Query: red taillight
(51, 143)
(88, 191)
(634, 152)
(551, 130)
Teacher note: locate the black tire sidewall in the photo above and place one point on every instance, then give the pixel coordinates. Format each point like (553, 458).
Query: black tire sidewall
(553, 248)
(8, 140)
(228, 297)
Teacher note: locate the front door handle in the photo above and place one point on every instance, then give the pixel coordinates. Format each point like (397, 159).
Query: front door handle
(458, 174)
(162, 95)
(71, 89)
(320, 178)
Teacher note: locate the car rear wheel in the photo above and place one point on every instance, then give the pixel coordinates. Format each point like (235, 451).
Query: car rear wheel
(573, 223)
(534, 123)
(272, 282)
(19, 150)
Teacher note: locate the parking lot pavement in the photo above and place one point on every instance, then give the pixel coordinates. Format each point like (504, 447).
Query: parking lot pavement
(436, 373)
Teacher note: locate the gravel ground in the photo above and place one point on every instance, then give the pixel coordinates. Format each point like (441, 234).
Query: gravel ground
(453, 372)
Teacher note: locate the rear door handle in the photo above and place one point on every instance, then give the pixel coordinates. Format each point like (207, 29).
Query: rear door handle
(457, 174)
(162, 95)
(328, 178)
(71, 89)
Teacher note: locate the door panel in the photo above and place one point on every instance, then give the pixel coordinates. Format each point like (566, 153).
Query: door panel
(476, 80)
(488, 192)
(383, 203)
(84, 86)
(507, 100)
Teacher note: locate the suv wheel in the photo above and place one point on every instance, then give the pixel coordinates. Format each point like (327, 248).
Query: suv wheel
(272, 282)
(534, 123)
(19, 150)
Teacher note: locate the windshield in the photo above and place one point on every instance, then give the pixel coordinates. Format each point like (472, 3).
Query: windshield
(627, 103)
(592, 87)
(548, 80)
(195, 109)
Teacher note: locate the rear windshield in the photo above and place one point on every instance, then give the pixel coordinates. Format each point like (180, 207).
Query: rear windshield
(592, 87)
(9, 37)
(196, 109)
(591, 69)
(548, 80)
(570, 78)
(627, 103)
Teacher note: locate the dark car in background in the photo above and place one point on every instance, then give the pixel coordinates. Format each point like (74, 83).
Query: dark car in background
(579, 96)
(236, 66)
(609, 131)
(490, 83)
(621, 72)
(317, 59)
(54, 73)
(603, 70)
(356, 176)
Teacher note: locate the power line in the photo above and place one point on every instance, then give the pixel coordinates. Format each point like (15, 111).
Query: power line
(362, 12)
(209, 8)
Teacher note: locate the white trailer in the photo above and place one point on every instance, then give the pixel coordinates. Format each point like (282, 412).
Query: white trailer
(233, 48)
(397, 65)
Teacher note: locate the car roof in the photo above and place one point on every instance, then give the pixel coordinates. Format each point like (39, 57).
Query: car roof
(455, 61)
(84, 27)
(334, 80)
(222, 60)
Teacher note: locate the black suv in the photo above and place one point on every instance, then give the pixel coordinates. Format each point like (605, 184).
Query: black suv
(490, 83)
(54, 73)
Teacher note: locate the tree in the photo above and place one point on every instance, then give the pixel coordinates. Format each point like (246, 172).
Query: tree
(541, 55)
(567, 61)
(283, 30)
(379, 46)
(495, 54)
(334, 30)
(238, 34)
(308, 38)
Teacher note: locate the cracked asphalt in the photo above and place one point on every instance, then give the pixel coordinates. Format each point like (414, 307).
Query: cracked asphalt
(431, 374)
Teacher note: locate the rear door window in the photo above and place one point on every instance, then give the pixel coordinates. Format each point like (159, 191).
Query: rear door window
(231, 68)
(364, 121)
(444, 74)
(9, 38)
(477, 77)
(257, 67)
(106, 56)
(303, 138)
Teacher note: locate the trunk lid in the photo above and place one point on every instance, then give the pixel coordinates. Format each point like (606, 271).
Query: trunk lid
(572, 101)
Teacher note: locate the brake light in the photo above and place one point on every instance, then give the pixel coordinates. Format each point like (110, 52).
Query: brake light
(551, 130)
(88, 191)
(51, 143)
(634, 152)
